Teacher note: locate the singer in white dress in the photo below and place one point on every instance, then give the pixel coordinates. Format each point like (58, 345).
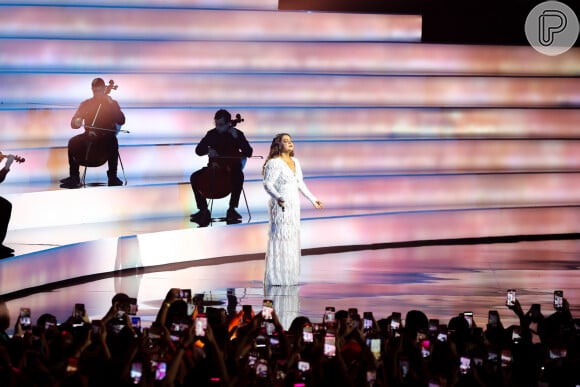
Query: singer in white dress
(283, 181)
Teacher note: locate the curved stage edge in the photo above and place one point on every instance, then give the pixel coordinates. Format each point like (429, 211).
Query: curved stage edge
(246, 242)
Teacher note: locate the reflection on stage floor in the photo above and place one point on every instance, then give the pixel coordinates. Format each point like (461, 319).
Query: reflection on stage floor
(440, 280)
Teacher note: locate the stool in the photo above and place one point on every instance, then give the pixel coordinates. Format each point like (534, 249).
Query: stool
(222, 219)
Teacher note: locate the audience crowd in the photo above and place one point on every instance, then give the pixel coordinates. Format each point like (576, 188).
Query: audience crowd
(190, 344)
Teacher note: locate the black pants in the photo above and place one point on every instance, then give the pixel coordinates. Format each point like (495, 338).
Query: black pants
(93, 152)
(5, 213)
(201, 180)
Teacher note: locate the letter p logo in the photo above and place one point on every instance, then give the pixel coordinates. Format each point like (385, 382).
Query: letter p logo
(552, 22)
(552, 28)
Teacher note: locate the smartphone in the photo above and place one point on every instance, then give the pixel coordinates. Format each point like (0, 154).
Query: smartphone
(303, 366)
(307, 335)
(136, 323)
(395, 321)
(468, 316)
(558, 299)
(464, 364)
(260, 341)
(79, 311)
(329, 315)
(433, 325)
(442, 333)
(159, 369)
(200, 325)
(267, 309)
(375, 347)
(132, 307)
(329, 344)
(185, 295)
(516, 337)
(492, 318)
(510, 297)
(25, 319)
(136, 372)
(367, 321)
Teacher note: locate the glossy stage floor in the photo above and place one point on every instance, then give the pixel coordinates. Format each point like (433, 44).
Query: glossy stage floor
(441, 277)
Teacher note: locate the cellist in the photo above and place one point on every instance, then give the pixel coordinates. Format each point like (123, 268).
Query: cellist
(227, 147)
(101, 116)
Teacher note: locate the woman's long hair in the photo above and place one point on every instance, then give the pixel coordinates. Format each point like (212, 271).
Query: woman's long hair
(276, 149)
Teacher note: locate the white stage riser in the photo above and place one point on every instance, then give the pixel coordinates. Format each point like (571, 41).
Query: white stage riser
(274, 90)
(373, 194)
(147, 250)
(210, 4)
(82, 56)
(49, 126)
(149, 164)
(102, 23)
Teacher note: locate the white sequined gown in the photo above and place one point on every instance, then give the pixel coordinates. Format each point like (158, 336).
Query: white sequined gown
(283, 250)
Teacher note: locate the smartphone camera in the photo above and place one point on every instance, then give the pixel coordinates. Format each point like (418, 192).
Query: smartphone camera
(395, 321)
(464, 364)
(79, 311)
(132, 307)
(329, 345)
(25, 319)
(136, 323)
(558, 299)
(516, 337)
(492, 318)
(510, 297)
(375, 347)
(200, 325)
(267, 309)
(303, 366)
(307, 335)
(329, 315)
(136, 372)
(433, 325)
(468, 316)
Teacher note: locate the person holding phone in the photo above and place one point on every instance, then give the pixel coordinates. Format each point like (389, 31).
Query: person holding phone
(283, 181)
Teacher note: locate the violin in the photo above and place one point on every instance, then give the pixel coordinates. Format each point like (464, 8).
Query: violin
(18, 159)
(215, 180)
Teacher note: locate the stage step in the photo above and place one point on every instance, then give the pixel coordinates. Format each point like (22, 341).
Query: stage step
(164, 24)
(366, 193)
(365, 58)
(29, 128)
(297, 90)
(152, 164)
(269, 5)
